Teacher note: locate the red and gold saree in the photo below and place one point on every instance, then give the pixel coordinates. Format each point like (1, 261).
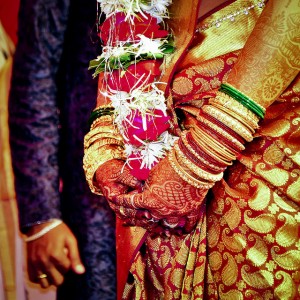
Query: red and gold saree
(246, 242)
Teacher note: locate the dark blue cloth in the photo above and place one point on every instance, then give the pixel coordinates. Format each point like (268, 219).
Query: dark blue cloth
(52, 95)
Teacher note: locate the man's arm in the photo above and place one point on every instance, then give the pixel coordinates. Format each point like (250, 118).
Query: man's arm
(34, 136)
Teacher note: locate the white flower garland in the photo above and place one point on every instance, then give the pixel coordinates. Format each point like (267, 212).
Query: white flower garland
(144, 46)
(146, 98)
(155, 8)
(151, 152)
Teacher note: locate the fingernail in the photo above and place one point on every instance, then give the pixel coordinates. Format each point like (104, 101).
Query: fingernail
(79, 269)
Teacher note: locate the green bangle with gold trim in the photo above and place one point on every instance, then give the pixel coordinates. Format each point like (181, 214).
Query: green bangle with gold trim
(99, 112)
(243, 99)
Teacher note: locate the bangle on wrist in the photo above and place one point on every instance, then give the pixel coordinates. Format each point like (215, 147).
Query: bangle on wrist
(54, 223)
(100, 112)
(254, 107)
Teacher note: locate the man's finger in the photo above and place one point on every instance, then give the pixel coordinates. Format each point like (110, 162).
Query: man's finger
(76, 264)
(42, 279)
(54, 276)
(60, 259)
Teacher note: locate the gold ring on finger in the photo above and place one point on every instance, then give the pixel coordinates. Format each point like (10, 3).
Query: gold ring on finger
(42, 276)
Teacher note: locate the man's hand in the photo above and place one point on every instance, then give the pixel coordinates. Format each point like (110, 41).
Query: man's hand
(52, 255)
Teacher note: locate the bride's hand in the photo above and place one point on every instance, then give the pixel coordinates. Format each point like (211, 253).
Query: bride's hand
(113, 178)
(172, 202)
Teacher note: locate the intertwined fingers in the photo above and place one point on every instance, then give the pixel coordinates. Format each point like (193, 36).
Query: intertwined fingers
(126, 178)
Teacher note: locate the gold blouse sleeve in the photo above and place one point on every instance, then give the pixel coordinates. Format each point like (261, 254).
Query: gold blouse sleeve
(270, 59)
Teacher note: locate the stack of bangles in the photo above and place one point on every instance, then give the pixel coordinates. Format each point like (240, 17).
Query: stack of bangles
(101, 144)
(204, 151)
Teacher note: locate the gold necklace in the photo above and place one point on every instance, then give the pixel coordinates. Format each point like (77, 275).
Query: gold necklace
(232, 16)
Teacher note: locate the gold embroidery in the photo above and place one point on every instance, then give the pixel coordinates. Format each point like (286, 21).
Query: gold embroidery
(213, 233)
(156, 282)
(276, 129)
(198, 292)
(210, 68)
(182, 86)
(233, 215)
(215, 260)
(246, 205)
(294, 190)
(287, 234)
(264, 223)
(277, 177)
(233, 294)
(203, 83)
(273, 155)
(293, 139)
(257, 254)
(287, 289)
(260, 279)
(270, 87)
(164, 257)
(254, 295)
(235, 243)
(261, 198)
(176, 277)
(243, 189)
(230, 270)
(269, 43)
(285, 204)
(290, 260)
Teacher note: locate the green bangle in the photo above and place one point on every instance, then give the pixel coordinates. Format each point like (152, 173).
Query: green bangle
(243, 99)
(99, 112)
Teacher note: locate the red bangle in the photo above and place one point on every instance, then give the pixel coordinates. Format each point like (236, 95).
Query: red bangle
(193, 159)
(202, 152)
(223, 126)
(187, 145)
(218, 136)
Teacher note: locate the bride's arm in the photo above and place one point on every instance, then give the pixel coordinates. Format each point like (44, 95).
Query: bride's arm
(267, 65)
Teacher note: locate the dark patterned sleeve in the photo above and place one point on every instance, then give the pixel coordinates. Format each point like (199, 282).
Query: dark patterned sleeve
(33, 112)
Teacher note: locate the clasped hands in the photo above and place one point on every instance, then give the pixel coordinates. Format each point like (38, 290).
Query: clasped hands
(164, 204)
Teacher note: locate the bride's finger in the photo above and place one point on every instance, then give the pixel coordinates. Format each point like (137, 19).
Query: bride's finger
(133, 200)
(126, 178)
(112, 189)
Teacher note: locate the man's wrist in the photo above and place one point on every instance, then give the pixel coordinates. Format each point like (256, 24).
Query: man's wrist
(39, 230)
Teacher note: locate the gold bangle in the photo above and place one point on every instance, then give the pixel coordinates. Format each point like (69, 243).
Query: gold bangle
(233, 124)
(194, 168)
(184, 175)
(93, 159)
(106, 118)
(214, 144)
(101, 129)
(262, 109)
(190, 148)
(105, 141)
(219, 130)
(234, 105)
(88, 142)
(103, 121)
(103, 107)
(211, 144)
(231, 113)
(211, 152)
(105, 131)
